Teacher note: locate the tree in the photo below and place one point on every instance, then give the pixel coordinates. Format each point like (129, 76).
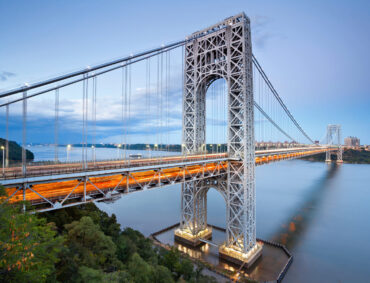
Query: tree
(125, 248)
(108, 224)
(140, 271)
(162, 274)
(92, 247)
(186, 269)
(90, 275)
(28, 245)
(170, 259)
(144, 245)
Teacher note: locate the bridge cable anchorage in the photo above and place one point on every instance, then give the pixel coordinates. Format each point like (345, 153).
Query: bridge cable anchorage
(278, 97)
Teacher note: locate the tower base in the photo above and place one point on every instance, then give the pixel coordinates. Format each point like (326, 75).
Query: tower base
(339, 161)
(245, 260)
(328, 160)
(186, 237)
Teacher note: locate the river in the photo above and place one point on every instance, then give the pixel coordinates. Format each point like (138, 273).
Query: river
(320, 212)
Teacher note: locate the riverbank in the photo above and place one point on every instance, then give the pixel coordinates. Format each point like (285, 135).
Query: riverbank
(15, 152)
(85, 244)
(132, 257)
(350, 156)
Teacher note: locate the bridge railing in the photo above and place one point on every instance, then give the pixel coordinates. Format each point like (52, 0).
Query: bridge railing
(76, 167)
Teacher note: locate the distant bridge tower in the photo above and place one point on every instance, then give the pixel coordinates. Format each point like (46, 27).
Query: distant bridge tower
(222, 51)
(334, 138)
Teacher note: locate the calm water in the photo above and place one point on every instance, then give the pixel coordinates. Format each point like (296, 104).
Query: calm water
(47, 153)
(320, 212)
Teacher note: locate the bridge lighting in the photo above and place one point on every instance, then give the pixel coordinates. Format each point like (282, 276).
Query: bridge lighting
(68, 149)
(118, 147)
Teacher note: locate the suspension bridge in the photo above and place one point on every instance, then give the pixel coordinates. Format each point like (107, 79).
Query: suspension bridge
(231, 120)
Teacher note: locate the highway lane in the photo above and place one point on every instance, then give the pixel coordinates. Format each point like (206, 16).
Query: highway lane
(57, 191)
(62, 168)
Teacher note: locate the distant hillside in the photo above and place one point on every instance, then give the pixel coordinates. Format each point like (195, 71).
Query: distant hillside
(349, 156)
(15, 152)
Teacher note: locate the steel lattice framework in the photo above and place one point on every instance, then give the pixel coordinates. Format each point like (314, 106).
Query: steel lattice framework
(334, 138)
(224, 51)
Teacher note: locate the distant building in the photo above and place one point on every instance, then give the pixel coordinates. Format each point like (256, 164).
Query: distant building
(352, 141)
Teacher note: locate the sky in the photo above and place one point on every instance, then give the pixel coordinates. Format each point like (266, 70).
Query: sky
(316, 54)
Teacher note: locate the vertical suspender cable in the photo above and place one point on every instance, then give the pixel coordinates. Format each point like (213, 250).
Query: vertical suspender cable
(148, 105)
(126, 122)
(129, 104)
(158, 101)
(7, 137)
(161, 105)
(93, 112)
(123, 92)
(125, 115)
(86, 118)
(167, 99)
(24, 124)
(56, 125)
(83, 120)
(183, 149)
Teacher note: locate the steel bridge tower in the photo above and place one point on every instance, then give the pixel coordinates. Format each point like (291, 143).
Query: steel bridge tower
(334, 138)
(221, 51)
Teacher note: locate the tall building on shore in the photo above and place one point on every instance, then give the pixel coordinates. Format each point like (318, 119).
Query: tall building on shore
(352, 141)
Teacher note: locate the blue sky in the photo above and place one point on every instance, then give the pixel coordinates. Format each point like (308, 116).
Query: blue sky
(316, 53)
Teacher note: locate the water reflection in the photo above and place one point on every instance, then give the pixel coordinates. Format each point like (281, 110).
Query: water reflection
(298, 222)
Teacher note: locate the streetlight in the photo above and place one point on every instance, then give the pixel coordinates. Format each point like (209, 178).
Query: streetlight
(156, 148)
(3, 148)
(93, 153)
(68, 149)
(118, 147)
(148, 148)
(183, 152)
(211, 145)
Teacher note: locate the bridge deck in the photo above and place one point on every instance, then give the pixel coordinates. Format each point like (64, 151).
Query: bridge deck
(59, 185)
